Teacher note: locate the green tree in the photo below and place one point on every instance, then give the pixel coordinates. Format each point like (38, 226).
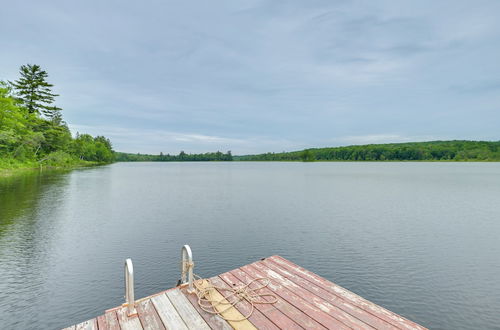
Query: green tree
(307, 156)
(35, 92)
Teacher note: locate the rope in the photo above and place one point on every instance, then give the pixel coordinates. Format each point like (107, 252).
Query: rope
(205, 291)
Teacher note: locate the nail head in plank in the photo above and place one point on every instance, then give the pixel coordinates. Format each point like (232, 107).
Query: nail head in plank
(167, 312)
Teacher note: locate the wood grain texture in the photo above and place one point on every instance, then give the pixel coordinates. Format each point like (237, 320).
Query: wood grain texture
(333, 304)
(214, 321)
(300, 319)
(353, 298)
(167, 312)
(111, 320)
(298, 299)
(126, 322)
(257, 318)
(313, 299)
(150, 320)
(188, 313)
(278, 312)
(101, 322)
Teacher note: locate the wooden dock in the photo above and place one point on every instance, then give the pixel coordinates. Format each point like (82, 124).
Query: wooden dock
(305, 301)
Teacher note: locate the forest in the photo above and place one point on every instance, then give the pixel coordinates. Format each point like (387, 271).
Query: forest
(413, 151)
(33, 132)
(181, 157)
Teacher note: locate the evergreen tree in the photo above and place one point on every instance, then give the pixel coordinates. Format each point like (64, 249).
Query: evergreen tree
(35, 92)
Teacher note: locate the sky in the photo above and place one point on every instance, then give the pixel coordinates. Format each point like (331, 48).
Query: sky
(263, 76)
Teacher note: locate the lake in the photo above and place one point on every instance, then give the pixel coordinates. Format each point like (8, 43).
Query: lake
(421, 239)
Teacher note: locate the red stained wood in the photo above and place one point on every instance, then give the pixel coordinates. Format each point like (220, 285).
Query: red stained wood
(339, 307)
(278, 312)
(148, 316)
(382, 313)
(299, 298)
(214, 321)
(109, 321)
(257, 318)
(102, 324)
(329, 298)
(299, 316)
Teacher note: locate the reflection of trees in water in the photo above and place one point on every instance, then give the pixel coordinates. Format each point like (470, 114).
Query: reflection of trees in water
(25, 244)
(18, 194)
(21, 195)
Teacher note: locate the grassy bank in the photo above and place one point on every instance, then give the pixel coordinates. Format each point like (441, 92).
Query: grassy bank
(57, 160)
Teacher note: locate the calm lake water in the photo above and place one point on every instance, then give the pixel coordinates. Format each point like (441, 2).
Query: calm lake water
(421, 239)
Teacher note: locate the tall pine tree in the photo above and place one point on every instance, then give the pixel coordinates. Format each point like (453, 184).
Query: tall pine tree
(35, 92)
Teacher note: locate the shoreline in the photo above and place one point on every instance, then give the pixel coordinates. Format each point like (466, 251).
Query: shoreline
(10, 172)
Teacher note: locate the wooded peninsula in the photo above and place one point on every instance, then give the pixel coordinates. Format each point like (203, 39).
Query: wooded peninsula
(33, 133)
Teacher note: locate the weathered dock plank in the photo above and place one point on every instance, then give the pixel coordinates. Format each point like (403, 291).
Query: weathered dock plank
(334, 304)
(368, 306)
(281, 313)
(87, 325)
(148, 316)
(190, 316)
(230, 314)
(294, 313)
(272, 312)
(108, 321)
(295, 299)
(339, 314)
(213, 320)
(256, 317)
(126, 322)
(304, 301)
(167, 312)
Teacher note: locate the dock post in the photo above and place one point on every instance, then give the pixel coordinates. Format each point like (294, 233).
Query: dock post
(187, 266)
(129, 288)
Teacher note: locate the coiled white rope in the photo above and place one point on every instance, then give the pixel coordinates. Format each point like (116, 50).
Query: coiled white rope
(218, 300)
(205, 292)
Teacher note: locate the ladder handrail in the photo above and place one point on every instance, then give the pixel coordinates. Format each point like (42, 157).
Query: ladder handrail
(129, 287)
(187, 266)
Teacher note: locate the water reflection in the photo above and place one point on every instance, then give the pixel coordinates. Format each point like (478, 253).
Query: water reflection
(26, 200)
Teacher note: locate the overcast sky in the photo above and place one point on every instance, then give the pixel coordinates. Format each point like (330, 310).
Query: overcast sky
(258, 76)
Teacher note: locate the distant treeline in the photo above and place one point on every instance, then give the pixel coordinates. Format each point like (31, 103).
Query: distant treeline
(181, 157)
(414, 151)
